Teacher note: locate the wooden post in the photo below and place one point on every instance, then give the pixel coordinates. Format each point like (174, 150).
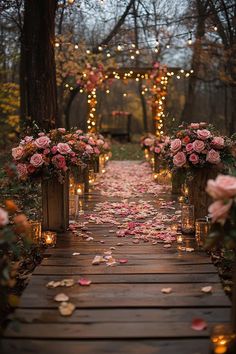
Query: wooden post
(197, 190)
(55, 204)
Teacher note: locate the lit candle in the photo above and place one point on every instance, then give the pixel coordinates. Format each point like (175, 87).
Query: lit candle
(188, 220)
(222, 339)
(49, 238)
(179, 238)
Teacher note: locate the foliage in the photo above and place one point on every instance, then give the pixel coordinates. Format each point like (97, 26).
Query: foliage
(9, 112)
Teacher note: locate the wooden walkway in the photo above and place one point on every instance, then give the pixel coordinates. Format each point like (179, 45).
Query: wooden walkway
(123, 310)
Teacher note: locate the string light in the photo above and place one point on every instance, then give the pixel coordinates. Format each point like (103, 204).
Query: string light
(190, 38)
(76, 46)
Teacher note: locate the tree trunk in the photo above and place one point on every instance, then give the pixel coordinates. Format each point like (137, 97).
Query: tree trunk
(187, 114)
(37, 69)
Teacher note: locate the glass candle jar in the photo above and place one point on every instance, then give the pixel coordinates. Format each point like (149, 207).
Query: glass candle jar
(188, 220)
(49, 238)
(79, 189)
(91, 177)
(35, 231)
(202, 228)
(222, 339)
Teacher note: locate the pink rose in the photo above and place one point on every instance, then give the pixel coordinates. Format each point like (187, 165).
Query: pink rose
(4, 220)
(42, 142)
(157, 150)
(17, 152)
(198, 145)
(222, 187)
(79, 131)
(175, 145)
(189, 147)
(41, 134)
(22, 170)
(218, 142)
(27, 139)
(31, 169)
(91, 141)
(96, 151)
(54, 150)
(61, 130)
(179, 159)
(194, 125)
(100, 142)
(203, 134)
(148, 142)
(203, 124)
(46, 151)
(194, 158)
(59, 161)
(36, 160)
(63, 148)
(89, 149)
(219, 210)
(213, 157)
(82, 137)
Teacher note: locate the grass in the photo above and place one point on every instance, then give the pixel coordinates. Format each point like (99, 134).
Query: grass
(126, 151)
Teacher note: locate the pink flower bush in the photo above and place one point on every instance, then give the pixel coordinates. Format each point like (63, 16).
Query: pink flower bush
(200, 146)
(4, 220)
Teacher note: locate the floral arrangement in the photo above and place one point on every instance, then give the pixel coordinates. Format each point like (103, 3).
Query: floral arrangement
(54, 153)
(160, 145)
(222, 211)
(92, 77)
(197, 145)
(14, 231)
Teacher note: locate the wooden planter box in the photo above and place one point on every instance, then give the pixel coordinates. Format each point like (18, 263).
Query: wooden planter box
(197, 190)
(178, 178)
(55, 205)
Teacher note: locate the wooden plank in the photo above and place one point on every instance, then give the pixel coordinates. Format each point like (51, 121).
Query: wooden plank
(126, 269)
(42, 280)
(137, 346)
(109, 295)
(123, 315)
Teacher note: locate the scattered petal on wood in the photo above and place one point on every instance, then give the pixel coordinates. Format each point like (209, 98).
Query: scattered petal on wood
(120, 244)
(167, 245)
(67, 282)
(198, 324)
(61, 297)
(53, 284)
(84, 282)
(166, 290)
(206, 289)
(123, 260)
(75, 254)
(66, 308)
(97, 260)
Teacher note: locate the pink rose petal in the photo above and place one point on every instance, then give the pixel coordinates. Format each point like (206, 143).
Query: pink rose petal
(84, 282)
(198, 324)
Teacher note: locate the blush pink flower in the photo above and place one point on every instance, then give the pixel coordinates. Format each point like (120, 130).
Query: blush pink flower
(96, 151)
(61, 130)
(63, 148)
(46, 151)
(222, 187)
(157, 150)
(42, 142)
(194, 125)
(79, 131)
(179, 159)
(36, 160)
(175, 145)
(89, 149)
(148, 142)
(189, 147)
(219, 210)
(91, 141)
(198, 146)
(22, 170)
(218, 142)
(194, 158)
(17, 152)
(54, 150)
(41, 134)
(4, 220)
(100, 142)
(59, 161)
(213, 157)
(203, 134)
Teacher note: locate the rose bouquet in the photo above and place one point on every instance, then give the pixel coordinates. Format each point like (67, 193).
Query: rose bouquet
(197, 145)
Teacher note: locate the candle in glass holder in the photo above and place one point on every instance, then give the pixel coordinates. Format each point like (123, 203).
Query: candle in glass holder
(71, 186)
(222, 339)
(179, 238)
(35, 230)
(185, 190)
(79, 187)
(49, 238)
(188, 220)
(202, 228)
